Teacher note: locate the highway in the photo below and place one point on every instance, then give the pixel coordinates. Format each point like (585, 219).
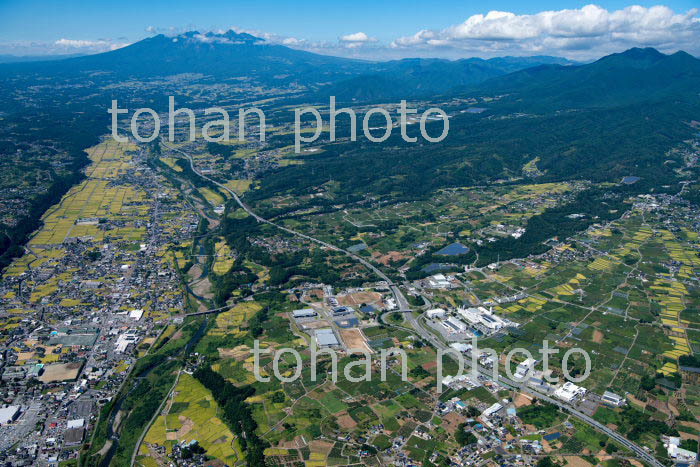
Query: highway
(401, 301)
(411, 319)
(638, 450)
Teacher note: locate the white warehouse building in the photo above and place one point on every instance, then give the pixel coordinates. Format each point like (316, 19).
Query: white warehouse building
(569, 391)
(435, 313)
(453, 324)
(483, 318)
(8, 414)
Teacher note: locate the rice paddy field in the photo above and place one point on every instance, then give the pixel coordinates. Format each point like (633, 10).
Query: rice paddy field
(190, 414)
(109, 208)
(231, 321)
(628, 295)
(171, 162)
(239, 186)
(80, 211)
(98, 197)
(223, 260)
(213, 197)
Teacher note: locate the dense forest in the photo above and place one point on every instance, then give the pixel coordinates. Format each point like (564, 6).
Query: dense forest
(600, 145)
(236, 413)
(75, 133)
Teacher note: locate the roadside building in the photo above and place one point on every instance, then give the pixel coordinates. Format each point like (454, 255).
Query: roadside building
(494, 409)
(569, 392)
(612, 399)
(136, 314)
(326, 338)
(524, 369)
(435, 313)
(8, 414)
(672, 445)
(304, 313)
(453, 324)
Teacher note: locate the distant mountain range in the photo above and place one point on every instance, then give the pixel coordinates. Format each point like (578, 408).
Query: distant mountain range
(6, 58)
(524, 84)
(636, 75)
(418, 77)
(242, 56)
(233, 57)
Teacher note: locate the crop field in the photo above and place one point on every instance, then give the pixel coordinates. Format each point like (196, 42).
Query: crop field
(223, 259)
(624, 292)
(111, 206)
(321, 405)
(239, 186)
(212, 197)
(79, 212)
(622, 303)
(170, 162)
(230, 322)
(468, 212)
(192, 414)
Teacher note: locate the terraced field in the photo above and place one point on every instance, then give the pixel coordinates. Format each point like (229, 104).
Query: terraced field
(629, 299)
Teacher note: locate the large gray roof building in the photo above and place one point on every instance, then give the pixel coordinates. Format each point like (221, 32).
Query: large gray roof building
(326, 338)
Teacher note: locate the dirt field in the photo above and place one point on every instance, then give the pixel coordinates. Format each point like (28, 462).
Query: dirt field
(451, 422)
(429, 365)
(522, 400)
(358, 298)
(346, 422)
(577, 462)
(203, 288)
(694, 425)
(597, 336)
(318, 445)
(195, 272)
(60, 372)
(391, 257)
(354, 339)
(316, 294)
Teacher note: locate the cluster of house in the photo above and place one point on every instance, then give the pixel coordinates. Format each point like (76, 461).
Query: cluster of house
(109, 298)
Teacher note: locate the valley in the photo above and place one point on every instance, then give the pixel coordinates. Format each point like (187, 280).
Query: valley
(131, 311)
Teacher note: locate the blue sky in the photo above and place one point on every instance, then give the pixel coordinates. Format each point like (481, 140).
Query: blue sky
(387, 28)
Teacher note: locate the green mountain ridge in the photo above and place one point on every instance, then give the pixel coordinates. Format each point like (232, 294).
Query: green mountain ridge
(633, 76)
(601, 121)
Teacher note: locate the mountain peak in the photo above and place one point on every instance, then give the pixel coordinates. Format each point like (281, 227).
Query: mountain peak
(642, 53)
(635, 57)
(229, 37)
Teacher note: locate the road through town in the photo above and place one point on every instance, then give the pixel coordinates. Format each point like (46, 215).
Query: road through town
(411, 319)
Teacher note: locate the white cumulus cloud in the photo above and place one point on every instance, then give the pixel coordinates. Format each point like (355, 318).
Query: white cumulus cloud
(100, 45)
(590, 30)
(357, 37)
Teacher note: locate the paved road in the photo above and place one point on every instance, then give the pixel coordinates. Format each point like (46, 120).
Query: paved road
(401, 300)
(403, 305)
(638, 450)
